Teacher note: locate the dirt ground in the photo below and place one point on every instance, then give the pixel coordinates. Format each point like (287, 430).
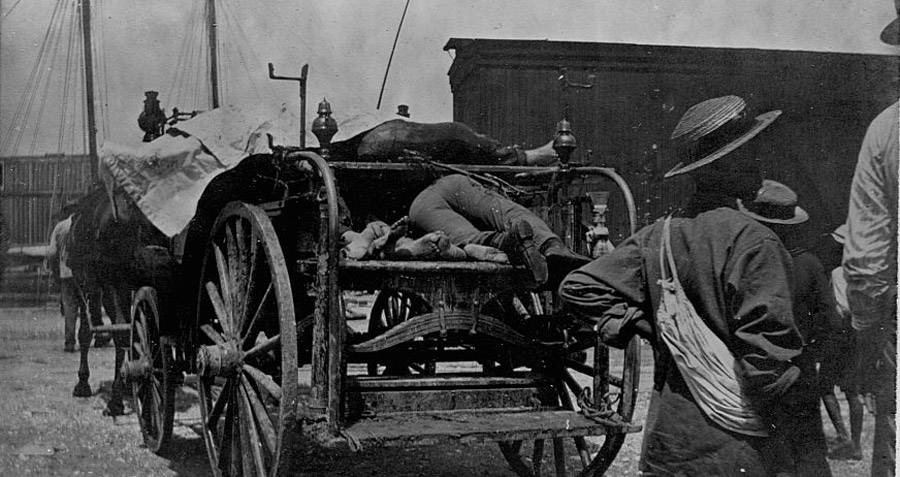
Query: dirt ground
(45, 431)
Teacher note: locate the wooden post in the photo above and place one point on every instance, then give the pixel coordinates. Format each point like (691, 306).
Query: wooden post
(89, 86)
(213, 52)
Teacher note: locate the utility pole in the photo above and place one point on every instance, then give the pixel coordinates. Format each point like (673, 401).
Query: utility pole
(213, 55)
(89, 87)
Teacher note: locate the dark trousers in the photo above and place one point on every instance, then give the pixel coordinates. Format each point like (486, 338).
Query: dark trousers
(470, 213)
(878, 352)
(803, 435)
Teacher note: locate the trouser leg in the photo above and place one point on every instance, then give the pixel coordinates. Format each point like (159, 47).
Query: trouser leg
(69, 298)
(883, 452)
(430, 211)
(462, 208)
(855, 406)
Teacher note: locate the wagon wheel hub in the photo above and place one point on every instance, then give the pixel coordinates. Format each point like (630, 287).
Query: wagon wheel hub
(219, 359)
(137, 369)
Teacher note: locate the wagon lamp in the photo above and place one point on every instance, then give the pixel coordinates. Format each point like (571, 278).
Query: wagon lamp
(324, 127)
(564, 142)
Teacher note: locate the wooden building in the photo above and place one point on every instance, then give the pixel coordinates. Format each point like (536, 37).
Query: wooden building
(625, 99)
(34, 188)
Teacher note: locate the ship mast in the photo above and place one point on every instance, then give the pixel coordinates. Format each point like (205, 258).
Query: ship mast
(213, 54)
(89, 87)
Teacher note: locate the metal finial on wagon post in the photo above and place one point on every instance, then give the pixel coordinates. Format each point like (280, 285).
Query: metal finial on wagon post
(564, 143)
(302, 80)
(324, 127)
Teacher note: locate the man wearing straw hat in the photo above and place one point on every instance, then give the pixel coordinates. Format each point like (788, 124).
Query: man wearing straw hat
(870, 266)
(815, 313)
(722, 280)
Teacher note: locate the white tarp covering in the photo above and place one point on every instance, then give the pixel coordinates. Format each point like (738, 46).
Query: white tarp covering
(166, 177)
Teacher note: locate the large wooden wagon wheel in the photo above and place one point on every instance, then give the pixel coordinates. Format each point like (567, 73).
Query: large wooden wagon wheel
(569, 389)
(150, 371)
(247, 363)
(392, 307)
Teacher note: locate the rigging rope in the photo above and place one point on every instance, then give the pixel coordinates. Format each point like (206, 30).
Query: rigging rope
(66, 82)
(43, 101)
(12, 8)
(18, 118)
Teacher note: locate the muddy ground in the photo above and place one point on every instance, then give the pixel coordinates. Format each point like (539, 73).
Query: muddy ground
(45, 431)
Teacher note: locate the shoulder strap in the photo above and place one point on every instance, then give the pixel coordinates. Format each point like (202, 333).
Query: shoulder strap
(666, 258)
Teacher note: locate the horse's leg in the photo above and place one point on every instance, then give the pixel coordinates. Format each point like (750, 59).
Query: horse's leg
(83, 387)
(115, 406)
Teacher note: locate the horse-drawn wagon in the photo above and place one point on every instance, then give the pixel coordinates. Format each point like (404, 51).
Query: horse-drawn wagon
(454, 351)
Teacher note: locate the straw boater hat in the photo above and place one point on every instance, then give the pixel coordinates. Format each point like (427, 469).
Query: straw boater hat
(711, 129)
(891, 33)
(775, 203)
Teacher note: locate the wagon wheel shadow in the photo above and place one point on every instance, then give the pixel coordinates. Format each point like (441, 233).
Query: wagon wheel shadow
(186, 453)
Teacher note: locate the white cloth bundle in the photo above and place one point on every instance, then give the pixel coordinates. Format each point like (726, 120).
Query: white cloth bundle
(706, 364)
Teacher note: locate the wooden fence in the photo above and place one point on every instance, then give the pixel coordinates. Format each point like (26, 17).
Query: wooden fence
(33, 188)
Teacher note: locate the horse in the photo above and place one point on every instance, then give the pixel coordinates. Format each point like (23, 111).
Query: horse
(107, 236)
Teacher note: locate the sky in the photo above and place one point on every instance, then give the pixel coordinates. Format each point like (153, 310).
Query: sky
(347, 45)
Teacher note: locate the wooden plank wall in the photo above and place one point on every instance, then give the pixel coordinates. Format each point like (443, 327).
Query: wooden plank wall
(509, 89)
(34, 187)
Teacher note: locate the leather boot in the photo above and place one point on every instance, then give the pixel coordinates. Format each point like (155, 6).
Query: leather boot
(560, 262)
(518, 244)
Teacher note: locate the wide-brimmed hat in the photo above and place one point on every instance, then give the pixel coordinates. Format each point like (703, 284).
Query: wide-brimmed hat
(709, 130)
(775, 203)
(891, 33)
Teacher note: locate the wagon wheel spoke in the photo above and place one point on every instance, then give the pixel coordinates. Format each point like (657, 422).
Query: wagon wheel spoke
(228, 460)
(249, 335)
(235, 269)
(263, 346)
(251, 419)
(142, 335)
(266, 427)
(139, 350)
(254, 245)
(224, 292)
(213, 419)
(245, 446)
(218, 305)
(213, 334)
(264, 381)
